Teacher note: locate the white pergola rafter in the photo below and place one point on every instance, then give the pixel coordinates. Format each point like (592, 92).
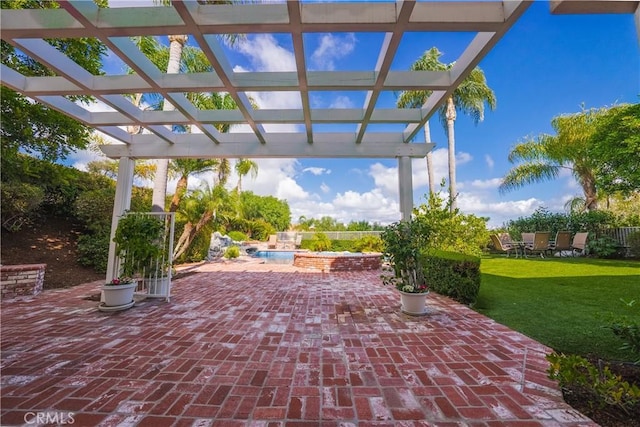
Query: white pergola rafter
(27, 29)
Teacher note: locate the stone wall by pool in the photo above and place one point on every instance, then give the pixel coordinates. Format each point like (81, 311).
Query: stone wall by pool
(337, 261)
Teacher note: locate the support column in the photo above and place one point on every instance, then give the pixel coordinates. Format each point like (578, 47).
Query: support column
(405, 183)
(637, 19)
(121, 203)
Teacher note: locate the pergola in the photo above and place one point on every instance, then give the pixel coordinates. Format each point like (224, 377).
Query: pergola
(28, 29)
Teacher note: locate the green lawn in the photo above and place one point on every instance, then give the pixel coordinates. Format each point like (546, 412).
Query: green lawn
(563, 303)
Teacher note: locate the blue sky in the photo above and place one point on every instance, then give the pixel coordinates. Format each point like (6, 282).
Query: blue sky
(544, 66)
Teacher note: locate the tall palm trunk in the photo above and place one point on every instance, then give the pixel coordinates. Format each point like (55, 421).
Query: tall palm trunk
(190, 232)
(162, 169)
(181, 189)
(587, 181)
(427, 139)
(451, 139)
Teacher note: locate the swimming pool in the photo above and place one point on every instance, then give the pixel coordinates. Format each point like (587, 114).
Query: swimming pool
(276, 257)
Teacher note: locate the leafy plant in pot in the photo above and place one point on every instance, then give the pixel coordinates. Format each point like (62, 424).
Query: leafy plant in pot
(403, 242)
(139, 242)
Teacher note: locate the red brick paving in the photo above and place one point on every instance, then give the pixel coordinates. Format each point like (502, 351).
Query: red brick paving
(269, 345)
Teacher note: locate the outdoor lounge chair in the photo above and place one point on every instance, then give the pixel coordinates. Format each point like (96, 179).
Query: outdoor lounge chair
(298, 242)
(579, 243)
(502, 245)
(562, 242)
(527, 239)
(273, 242)
(540, 243)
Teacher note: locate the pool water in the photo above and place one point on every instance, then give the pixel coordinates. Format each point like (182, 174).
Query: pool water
(281, 257)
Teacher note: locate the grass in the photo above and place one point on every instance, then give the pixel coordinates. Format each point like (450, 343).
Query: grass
(563, 303)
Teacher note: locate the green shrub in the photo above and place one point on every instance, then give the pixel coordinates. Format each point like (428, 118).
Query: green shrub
(93, 250)
(94, 208)
(628, 329)
(604, 247)
(238, 236)
(633, 240)
(342, 245)
(606, 388)
(368, 244)
(454, 275)
(452, 231)
(232, 252)
(20, 202)
(320, 242)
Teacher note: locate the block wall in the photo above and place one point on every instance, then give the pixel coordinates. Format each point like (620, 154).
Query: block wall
(328, 262)
(21, 280)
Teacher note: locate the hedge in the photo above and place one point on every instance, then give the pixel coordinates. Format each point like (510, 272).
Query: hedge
(454, 275)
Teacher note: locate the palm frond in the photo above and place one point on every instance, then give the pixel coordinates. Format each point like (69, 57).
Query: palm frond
(528, 173)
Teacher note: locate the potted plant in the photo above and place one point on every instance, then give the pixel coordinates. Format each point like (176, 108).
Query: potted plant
(140, 245)
(403, 242)
(118, 293)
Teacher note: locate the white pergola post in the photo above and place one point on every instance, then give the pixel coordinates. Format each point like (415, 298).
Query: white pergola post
(121, 203)
(405, 183)
(637, 19)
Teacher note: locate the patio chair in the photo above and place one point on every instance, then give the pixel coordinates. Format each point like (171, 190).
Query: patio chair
(502, 245)
(562, 242)
(579, 243)
(298, 242)
(540, 243)
(273, 242)
(527, 239)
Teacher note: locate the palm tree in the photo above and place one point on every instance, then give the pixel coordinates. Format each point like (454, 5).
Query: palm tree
(201, 207)
(429, 61)
(176, 47)
(185, 168)
(543, 157)
(469, 98)
(243, 167)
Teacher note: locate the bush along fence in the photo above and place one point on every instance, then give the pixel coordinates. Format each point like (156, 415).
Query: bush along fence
(627, 238)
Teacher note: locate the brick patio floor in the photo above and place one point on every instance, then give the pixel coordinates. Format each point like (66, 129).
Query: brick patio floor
(242, 344)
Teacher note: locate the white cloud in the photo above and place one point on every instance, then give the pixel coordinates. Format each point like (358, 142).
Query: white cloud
(266, 54)
(341, 101)
(317, 171)
(486, 183)
(325, 188)
(489, 160)
(332, 48)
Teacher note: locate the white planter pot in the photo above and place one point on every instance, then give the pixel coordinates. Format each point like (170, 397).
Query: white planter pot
(119, 294)
(413, 304)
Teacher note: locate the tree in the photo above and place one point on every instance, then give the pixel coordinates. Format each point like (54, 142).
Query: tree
(469, 98)
(543, 157)
(243, 168)
(176, 45)
(31, 127)
(268, 208)
(616, 146)
(429, 61)
(200, 208)
(184, 168)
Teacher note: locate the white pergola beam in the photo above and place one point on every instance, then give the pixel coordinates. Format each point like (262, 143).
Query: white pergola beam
(561, 7)
(257, 18)
(204, 149)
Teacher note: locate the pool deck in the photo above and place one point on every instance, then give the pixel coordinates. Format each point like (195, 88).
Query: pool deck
(248, 344)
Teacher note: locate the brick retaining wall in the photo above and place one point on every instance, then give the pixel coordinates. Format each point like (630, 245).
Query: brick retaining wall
(21, 280)
(338, 262)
